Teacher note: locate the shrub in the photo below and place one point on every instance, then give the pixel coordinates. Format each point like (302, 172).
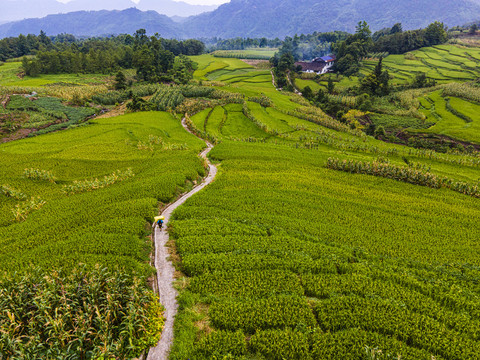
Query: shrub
(37, 174)
(20, 211)
(89, 185)
(12, 192)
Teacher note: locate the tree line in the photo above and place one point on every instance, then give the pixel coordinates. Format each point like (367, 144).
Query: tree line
(239, 43)
(154, 58)
(15, 47)
(350, 51)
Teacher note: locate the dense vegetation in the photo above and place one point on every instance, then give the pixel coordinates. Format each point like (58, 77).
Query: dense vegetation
(342, 222)
(272, 270)
(86, 195)
(357, 46)
(56, 315)
(154, 58)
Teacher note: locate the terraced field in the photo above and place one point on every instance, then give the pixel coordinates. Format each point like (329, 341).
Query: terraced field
(251, 53)
(455, 117)
(444, 63)
(281, 257)
(285, 259)
(83, 220)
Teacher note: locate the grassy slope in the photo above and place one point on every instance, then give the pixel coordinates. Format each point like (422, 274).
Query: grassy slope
(450, 124)
(9, 71)
(368, 254)
(105, 226)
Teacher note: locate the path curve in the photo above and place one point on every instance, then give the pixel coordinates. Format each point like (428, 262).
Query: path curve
(165, 269)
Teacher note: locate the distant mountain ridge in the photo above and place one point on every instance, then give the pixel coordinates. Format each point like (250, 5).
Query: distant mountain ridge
(14, 10)
(257, 18)
(96, 23)
(279, 18)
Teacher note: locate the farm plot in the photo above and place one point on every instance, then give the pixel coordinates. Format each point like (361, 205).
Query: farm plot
(272, 123)
(38, 115)
(460, 121)
(10, 76)
(91, 191)
(273, 271)
(209, 64)
(215, 122)
(301, 84)
(238, 126)
(445, 63)
(200, 119)
(249, 53)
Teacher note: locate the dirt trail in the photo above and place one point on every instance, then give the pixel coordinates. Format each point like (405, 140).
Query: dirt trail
(165, 269)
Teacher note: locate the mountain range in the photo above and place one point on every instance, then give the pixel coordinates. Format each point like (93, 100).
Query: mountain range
(257, 18)
(12, 10)
(96, 23)
(272, 18)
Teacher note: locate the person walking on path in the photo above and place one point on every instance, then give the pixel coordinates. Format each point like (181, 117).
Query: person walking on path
(159, 221)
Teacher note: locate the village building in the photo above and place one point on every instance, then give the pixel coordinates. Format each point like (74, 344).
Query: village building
(320, 65)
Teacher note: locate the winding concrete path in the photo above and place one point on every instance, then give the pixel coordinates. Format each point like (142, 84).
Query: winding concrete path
(165, 269)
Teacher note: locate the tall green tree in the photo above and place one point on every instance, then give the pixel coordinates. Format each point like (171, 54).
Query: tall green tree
(377, 82)
(120, 81)
(436, 34)
(397, 28)
(350, 52)
(473, 29)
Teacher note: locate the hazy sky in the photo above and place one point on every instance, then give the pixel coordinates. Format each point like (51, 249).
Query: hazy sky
(194, 2)
(206, 2)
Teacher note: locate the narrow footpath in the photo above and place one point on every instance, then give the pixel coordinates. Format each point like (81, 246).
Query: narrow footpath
(165, 269)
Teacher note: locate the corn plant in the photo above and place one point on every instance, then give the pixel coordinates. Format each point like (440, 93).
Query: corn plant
(94, 184)
(21, 211)
(9, 191)
(87, 314)
(415, 174)
(38, 174)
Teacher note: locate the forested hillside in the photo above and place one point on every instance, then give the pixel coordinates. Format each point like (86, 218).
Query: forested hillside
(254, 18)
(342, 222)
(96, 23)
(272, 18)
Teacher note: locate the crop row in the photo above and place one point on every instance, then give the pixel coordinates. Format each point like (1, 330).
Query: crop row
(167, 97)
(12, 192)
(305, 344)
(406, 174)
(266, 313)
(286, 229)
(55, 315)
(387, 318)
(322, 120)
(38, 174)
(21, 211)
(89, 185)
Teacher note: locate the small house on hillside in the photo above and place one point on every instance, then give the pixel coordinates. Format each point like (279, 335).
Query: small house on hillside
(320, 65)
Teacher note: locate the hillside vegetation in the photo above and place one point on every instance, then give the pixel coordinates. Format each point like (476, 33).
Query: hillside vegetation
(253, 18)
(326, 234)
(288, 259)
